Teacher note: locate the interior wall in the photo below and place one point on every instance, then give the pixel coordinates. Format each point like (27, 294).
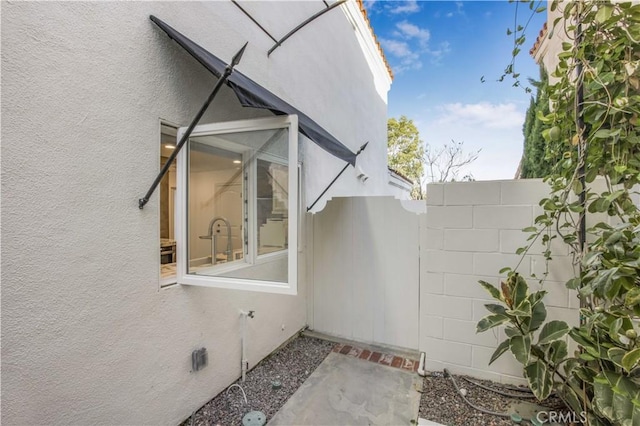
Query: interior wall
(202, 208)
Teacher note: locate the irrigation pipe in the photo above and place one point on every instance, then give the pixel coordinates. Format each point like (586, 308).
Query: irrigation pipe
(243, 394)
(525, 393)
(493, 413)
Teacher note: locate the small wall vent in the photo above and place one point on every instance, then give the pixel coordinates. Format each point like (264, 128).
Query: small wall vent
(199, 359)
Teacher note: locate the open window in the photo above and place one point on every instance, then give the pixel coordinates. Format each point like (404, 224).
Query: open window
(237, 205)
(166, 191)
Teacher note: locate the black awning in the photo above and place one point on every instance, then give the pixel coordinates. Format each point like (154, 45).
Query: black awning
(253, 95)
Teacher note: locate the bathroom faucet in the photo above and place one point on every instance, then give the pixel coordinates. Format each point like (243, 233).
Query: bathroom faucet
(211, 236)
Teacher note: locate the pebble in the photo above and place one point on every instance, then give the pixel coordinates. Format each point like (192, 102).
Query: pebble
(441, 403)
(290, 366)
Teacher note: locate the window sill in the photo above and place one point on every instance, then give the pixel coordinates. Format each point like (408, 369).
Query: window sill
(238, 284)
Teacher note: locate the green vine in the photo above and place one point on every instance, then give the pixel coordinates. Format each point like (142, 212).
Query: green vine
(594, 96)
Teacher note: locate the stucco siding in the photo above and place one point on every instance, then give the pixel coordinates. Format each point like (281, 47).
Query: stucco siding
(88, 336)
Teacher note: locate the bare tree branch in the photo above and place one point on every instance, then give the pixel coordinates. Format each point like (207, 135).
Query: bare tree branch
(445, 163)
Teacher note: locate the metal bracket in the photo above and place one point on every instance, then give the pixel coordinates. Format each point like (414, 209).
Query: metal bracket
(312, 18)
(362, 148)
(227, 72)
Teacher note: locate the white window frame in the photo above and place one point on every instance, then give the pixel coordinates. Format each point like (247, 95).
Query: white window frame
(181, 229)
(171, 129)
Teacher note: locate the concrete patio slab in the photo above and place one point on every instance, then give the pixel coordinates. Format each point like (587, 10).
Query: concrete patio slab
(346, 390)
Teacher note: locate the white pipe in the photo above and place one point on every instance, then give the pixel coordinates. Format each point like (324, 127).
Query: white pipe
(240, 387)
(421, 371)
(244, 362)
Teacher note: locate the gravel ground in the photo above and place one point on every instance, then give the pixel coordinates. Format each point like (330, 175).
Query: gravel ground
(291, 366)
(440, 402)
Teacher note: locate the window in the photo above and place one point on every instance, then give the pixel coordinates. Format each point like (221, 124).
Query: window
(236, 218)
(166, 191)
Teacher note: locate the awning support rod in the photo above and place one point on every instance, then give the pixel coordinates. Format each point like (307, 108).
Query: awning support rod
(295, 30)
(254, 20)
(362, 148)
(227, 72)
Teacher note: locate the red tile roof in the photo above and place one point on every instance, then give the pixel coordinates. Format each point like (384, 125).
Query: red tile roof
(541, 35)
(375, 39)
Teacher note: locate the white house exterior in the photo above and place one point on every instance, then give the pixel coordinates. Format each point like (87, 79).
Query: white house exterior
(89, 333)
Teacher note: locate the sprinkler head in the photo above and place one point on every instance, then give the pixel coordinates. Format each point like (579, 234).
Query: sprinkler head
(254, 418)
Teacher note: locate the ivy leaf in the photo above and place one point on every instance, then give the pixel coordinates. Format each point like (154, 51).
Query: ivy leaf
(616, 355)
(631, 359)
(553, 330)
(604, 12)
(603, 396)
(573, 283)
(633, 297)
(604, 133)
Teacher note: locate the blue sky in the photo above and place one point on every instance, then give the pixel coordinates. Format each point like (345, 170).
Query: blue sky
(439, 51)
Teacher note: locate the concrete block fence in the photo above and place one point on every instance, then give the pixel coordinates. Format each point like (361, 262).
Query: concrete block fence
(383, 275)
(470, 232)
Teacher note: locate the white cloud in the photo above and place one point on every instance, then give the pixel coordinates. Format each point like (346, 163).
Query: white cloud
(409, 31)
(409, 44)
(410, 6)
(409, 59)
(495, 128)
(483, 114)
(408, 64)
(449, 15)
(370, 6)
(396, 48)
(437, 54)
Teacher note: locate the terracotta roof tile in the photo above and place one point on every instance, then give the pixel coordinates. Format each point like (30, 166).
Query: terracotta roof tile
(400, 175)
(541, 35)
(363, 10)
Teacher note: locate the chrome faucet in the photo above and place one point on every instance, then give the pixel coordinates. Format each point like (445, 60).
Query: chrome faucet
(213, 237)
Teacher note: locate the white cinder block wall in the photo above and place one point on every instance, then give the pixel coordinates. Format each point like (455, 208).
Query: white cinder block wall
(470, 232)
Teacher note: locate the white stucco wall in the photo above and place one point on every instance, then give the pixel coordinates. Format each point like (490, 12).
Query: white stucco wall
(88, 336)
(365, 274)
(551, 42)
